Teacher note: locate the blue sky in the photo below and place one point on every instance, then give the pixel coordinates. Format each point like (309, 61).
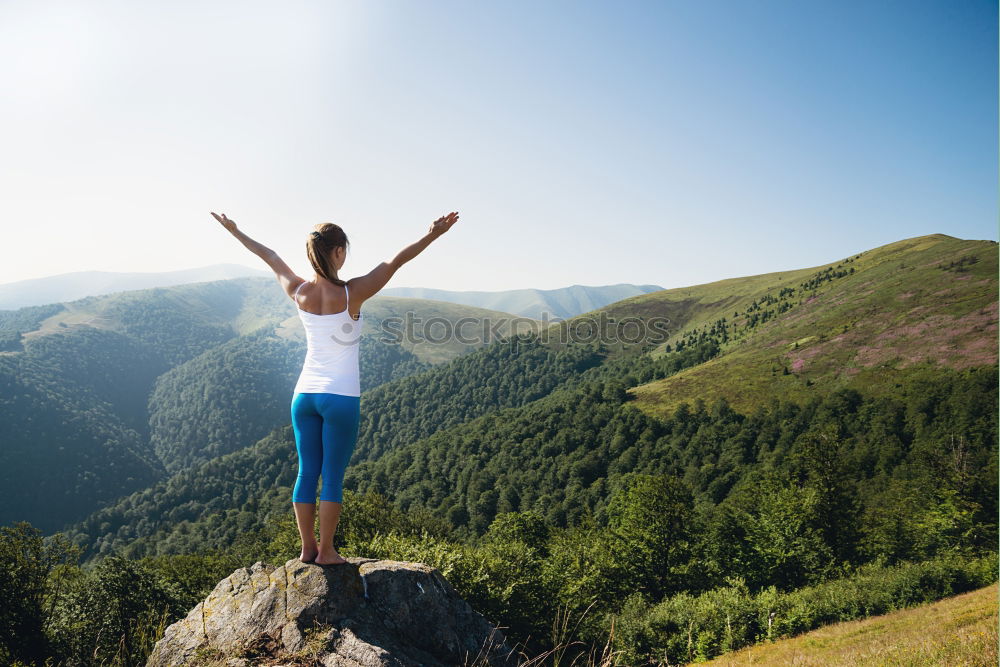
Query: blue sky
(670, 142)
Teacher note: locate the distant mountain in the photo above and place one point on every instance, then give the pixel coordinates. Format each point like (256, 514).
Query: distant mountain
(561, 303)
(79, 284)
(126, 388)
(532, 426)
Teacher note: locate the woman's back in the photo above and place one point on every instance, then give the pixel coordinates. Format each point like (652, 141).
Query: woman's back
(331, 364)
(327, 299)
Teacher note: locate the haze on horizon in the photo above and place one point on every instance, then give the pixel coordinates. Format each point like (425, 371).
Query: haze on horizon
(668, 143)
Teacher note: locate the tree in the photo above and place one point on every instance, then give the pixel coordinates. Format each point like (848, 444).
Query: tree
(26, 561)
(769, 531)
(820, 459)
(115, 612)
(526, 527)
(650, 518)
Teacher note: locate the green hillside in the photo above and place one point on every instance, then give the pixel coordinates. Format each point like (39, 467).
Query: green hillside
(533, 472)
(862, 322)
(508, 373)
(182, 321)
(125, 388)
(959, 630)
(72, 425)
(80, 284)
(770, 322)
(428, 440)
(561, 455)
(205, 506)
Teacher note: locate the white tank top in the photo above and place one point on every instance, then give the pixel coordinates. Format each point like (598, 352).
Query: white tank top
(333, 341)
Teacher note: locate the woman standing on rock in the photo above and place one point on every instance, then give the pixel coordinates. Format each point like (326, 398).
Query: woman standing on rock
(325, 406)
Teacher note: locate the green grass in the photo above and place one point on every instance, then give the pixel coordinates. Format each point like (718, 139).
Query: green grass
(959, 630)
(898, 312)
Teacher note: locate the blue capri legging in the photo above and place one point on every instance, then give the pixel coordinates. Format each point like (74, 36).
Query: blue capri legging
(326, 429)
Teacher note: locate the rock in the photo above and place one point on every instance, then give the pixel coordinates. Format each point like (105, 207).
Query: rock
(366, 612)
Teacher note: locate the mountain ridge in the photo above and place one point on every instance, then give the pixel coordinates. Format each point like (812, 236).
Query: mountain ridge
(541, 304)
(851, 336)
(696, 309)
(75, 285)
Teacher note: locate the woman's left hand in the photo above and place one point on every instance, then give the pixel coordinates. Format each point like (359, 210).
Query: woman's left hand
(226, 222)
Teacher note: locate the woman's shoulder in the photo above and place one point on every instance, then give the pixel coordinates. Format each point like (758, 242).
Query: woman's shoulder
(355, 286)
(361, 288)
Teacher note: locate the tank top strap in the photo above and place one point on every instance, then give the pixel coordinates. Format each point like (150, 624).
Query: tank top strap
(347, 295)
(300, 286)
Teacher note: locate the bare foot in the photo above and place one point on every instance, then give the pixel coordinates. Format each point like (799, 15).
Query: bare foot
(329, 558)
(309, 555)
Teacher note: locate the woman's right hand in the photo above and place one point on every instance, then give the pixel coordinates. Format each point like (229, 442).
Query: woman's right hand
(444, 223)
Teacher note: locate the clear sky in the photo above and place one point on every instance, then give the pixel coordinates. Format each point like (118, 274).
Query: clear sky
(673, 142)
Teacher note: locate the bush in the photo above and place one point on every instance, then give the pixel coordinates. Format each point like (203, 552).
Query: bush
(115, 614)
(27, 562)
(686, 627)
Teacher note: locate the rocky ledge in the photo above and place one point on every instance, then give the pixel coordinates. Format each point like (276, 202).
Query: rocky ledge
(364, 612)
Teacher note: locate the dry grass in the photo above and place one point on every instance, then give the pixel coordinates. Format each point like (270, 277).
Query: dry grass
(957, 631)
(566, 650)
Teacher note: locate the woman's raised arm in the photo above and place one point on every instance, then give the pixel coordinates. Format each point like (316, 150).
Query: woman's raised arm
(286, 277)
(368, 285)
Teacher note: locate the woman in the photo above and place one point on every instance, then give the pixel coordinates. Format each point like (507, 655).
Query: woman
(326, 399)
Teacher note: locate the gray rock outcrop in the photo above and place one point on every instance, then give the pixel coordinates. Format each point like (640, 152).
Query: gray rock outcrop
(366, 612)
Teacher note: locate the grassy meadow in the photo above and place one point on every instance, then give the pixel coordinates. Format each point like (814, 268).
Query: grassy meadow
(959, 631)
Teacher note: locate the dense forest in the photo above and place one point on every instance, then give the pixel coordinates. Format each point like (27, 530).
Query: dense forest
(551, 482)
(124, 396)
(827, 511)
(117, 418)
(872, 461)
(210, 493)
(234, 394)
(73, 440)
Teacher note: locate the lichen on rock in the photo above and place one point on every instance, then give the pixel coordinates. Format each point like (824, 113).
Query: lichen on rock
(366, 612)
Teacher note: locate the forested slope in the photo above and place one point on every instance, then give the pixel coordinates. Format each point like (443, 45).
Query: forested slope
(105, 395)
